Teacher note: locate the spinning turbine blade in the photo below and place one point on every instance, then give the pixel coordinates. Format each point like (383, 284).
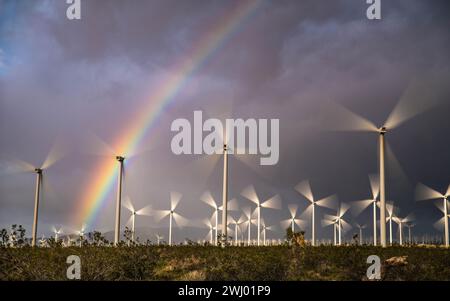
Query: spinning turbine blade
(439, 225)
(175, 198)
(293, 210)
(179, 220)
(147, 210)
(339, 118)
(329, 202)
(447, 193)
(421, 95)
(360, 206)
(304, 188)
(301, 223)
(208, 199)
(273, 203)
(233, 205)
(307, 213)
(127, 204)
(286, 223)
(56, 153)
(94, 145)
(343, 209)
(15, 166)
(250, 194)
(424, 192)
(345, 226)
(160, 214)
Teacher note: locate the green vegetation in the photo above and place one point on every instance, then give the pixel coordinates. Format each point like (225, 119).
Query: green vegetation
(215, 263)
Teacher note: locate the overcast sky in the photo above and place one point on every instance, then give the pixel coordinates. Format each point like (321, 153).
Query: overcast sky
(293, 60)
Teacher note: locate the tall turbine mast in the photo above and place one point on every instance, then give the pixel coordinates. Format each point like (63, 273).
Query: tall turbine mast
(225, 196)
(120, 159)
(382, 132)
(36, 204)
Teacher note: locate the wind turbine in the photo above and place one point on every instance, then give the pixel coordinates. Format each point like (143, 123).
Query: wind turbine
(390, 217)
(424, 192)
(210, 234)
(147, 210)
(331, 220)
(343, 208)
(400, 222)
(208, 199)
(409, 232)
(119, 159)
(359, 206)
(360, 227)
(81, 235)
(293, 220)
(420, 95)
(54, 155)
(272, 203)
(304, 188)
(56, 232)
(247, 218)
(264, 228)
(179, 220)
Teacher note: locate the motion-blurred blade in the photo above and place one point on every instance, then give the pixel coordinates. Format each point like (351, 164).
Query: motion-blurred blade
(293, 210)
(15, 166)
(175, 198)
(56, 153)
(447, 193)
(439, 225)
(233, 205)
(345, 226)
(307, 213)
(272, 203)
(127, 204)
(208, 199)
(160, 214)
(250, 193)
(94, 145)
(304, 188)
(179, 220)
(360, 206)
(424, 192)
(286, 224)
(147, 211)
(343, 208)
(327, 222)
(301, 223)
(422, 94)
(329, 202)
(395, 169)
(339, 118)
(128, 223)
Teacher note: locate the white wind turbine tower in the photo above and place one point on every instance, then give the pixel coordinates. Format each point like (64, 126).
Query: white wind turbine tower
(420, 95)
(360, 228)
(360, 206)
(179, 220)
(401, 222)
(211, 228)
(81, 235)
(389, 218)
(293, 220)
(304, 188)
(264, 228)
(14, 166)
(208, 199)
(426, 193)
(247, 218)
(272, 203)
(410, 226)
(341, 223)
(119, 159)
(147, 211)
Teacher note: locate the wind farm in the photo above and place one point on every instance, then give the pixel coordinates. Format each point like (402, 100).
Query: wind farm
(310, 158)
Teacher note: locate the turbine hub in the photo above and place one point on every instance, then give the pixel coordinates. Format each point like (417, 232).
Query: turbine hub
(382, 130)
(120, 158)
(38, 170)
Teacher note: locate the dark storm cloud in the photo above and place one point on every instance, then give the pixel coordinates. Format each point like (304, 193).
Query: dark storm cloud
(287, 62)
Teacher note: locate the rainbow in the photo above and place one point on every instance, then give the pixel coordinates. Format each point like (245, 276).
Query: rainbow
(100, 185)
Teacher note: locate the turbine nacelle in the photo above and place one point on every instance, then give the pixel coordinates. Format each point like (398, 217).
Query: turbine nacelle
(120, 158)
(382, 130)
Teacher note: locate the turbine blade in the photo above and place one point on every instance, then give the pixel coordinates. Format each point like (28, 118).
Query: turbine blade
(304, 188)
(328, 202)
(272, 203)
(250, 193)
(440, 206)
(286, 223)
(208, 199)
(293, 209)
(374, 185)
(339, 118)
(439, 225)
(345, 226)
(247, 212)
(160, 214)
(359, 206)
(94, 145)
(127, 204)
(56, 153)
(421, 95)
(175, 198)
(233, 205)
(447, 193)
(179, 220)
(395, 169)
(343, 208)
(424, 192)
(147, 211)
(301, 223)
(15, 166)
(327, 222)
(128, 223)
(307, 213)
